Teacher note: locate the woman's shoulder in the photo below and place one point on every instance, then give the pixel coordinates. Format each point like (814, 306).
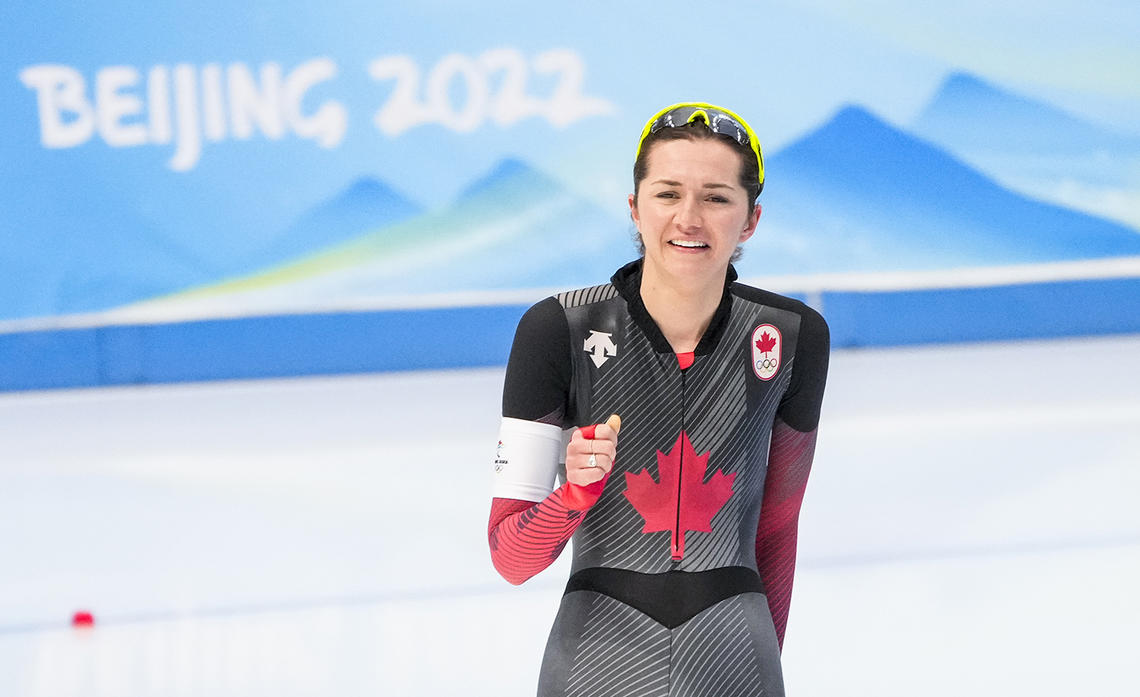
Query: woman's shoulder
(809, 316)
(586, 296)
(545, 310)
(548, 317)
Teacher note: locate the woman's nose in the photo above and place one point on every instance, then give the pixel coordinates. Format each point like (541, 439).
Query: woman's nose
(689, 215)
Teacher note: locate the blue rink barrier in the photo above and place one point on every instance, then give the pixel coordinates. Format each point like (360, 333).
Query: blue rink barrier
(990, 313)
(258, 347)
(460, 337)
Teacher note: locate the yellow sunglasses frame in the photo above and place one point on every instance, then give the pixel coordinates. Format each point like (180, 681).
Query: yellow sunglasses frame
(753, 141)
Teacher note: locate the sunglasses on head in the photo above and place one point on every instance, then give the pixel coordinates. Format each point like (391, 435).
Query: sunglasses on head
(719, 120)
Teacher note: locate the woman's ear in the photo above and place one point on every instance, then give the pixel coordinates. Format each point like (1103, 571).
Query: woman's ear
(750, 226)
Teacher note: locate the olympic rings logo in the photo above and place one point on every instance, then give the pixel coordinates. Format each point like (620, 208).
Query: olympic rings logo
(768, 364)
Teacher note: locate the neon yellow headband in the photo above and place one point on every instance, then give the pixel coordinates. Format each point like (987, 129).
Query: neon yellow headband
(718, 119)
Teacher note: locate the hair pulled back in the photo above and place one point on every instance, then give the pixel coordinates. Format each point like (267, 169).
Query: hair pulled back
(697, 130)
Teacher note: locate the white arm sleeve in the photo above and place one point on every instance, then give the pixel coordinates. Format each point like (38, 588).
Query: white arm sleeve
(527, 459)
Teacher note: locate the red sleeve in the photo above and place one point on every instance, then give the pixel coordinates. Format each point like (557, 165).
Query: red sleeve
(789, 462)
(526, 537)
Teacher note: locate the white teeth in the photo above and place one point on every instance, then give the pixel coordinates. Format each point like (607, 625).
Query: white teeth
(687, 243)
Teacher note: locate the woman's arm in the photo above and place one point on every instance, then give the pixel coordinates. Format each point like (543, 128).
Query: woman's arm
(789, 462)
(526, 537)
(531, 520)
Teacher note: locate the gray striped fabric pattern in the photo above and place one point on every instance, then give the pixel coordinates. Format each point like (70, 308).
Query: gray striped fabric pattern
(710, 402)
(615, 651)
(621, 652)
(644, 387)
(719, 653)
(585, 296)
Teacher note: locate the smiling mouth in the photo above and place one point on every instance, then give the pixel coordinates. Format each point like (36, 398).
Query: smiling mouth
(688, 244)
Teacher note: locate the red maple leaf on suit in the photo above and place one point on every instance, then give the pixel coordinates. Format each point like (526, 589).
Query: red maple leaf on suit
(682, 500)
(766, 343)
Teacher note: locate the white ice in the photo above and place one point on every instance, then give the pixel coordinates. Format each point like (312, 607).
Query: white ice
(972, 526)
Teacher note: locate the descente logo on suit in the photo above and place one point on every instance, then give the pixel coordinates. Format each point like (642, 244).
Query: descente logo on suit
(600, 346)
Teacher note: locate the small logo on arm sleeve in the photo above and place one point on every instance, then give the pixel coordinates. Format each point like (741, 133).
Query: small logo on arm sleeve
(500, 459)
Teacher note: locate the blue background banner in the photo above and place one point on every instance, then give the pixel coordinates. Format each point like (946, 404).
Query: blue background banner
(303, 161)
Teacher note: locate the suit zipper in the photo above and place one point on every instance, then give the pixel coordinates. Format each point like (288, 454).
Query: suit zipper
(678, 551)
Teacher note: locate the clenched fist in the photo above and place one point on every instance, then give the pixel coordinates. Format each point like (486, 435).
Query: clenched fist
(591, 452)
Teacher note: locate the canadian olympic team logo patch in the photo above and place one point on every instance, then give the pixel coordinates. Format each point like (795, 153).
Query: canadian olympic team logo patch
(766, 345)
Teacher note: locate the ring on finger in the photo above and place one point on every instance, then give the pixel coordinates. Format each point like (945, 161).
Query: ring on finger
(593, 462)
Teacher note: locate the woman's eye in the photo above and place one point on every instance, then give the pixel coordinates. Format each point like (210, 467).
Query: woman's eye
(718, 199)
(667, 194)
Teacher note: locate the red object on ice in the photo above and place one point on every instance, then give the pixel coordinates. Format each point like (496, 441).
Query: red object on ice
(83, 618)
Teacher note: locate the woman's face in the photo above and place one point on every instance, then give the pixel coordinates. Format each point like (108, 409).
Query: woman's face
(691, 211)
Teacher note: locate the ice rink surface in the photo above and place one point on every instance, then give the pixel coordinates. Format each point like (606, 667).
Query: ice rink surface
(971, 526)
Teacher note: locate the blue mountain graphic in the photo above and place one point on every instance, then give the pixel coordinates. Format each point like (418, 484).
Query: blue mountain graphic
(859, 194)
(365, 205)
(510, 175)
(514, 227)
(968, 114)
